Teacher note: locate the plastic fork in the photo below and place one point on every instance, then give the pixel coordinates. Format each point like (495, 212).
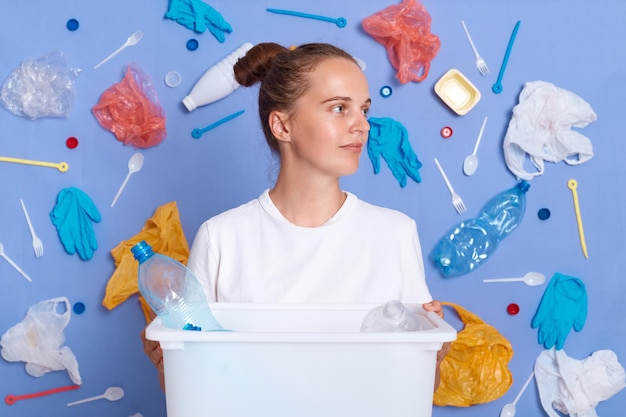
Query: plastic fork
(457, 202)
(132, 40)
(480, 62)
(37, 244)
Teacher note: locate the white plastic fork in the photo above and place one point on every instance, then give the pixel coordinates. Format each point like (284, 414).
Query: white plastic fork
(37, 243)
(480, 62)
(132, 40)
(457, 202)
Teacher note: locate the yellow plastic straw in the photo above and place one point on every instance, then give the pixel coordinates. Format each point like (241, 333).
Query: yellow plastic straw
(61, 166)
(572, 185)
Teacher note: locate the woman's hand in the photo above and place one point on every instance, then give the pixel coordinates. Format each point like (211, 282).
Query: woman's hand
(153, 350)
(434, 306)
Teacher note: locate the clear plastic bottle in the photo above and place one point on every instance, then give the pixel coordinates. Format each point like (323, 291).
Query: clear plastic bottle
(172, 291)
(470, 243)
(217, 82)
(391, 317)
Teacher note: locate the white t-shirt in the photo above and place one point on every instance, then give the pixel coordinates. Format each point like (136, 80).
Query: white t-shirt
(363, 254)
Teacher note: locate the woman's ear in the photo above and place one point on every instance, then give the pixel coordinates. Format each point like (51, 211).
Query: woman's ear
(278, 122)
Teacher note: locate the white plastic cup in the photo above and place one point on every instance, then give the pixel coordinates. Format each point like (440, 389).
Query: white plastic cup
(218, 82)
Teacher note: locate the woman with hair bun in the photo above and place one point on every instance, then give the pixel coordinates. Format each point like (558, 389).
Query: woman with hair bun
(306, 240)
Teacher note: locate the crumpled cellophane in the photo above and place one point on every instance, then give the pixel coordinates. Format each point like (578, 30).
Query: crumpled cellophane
(130, 110)
(164, 232)
(475, 370)
(404, 30)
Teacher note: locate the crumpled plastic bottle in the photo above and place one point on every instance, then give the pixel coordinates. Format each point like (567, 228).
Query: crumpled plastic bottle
(470, 243)
(391, 317)
(172, 291)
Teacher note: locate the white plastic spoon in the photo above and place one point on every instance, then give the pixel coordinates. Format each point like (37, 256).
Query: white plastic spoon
(111, 394)
(470, 164)
(134, 165)
(532, 279)
(509, 409)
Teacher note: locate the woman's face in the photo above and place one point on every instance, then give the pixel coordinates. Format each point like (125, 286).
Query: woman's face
(328, 127)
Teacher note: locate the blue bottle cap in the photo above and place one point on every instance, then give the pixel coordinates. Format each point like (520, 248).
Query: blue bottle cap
(192, 44)
(142, 251)
(386, 91)
(78, 308)
(72, 25)
(543, 214)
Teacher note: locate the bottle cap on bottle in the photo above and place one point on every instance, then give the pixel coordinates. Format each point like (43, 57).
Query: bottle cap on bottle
(142, 251)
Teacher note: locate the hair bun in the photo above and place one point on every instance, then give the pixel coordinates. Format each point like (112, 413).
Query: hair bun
(252, 67)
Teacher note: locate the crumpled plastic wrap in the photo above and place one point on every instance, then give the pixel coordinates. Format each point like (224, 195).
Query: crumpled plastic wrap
(130, 110)
(404, 30)
(40, 87)
(475, 370)
(37, 340)
(164, 232)
(576, 387)
(541, 129)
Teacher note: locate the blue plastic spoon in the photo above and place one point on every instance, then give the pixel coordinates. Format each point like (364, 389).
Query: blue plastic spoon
(197, 133)
(340, 21)
(497, 87)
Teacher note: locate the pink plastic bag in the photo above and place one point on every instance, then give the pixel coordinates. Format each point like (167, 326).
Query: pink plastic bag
(404, 30)
(130, 109)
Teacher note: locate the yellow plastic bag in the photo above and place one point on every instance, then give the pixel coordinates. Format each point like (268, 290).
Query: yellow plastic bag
(164, 232)
(475, 370)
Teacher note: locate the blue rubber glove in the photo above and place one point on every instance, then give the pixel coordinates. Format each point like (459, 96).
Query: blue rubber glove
(198, 16)
(563, 306)
(389, 139)
(73, 216)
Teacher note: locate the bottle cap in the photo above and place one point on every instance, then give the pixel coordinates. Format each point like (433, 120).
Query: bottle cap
(192, 44)
(142, 251)
(172, 79)
(385, 91)
(72, 25)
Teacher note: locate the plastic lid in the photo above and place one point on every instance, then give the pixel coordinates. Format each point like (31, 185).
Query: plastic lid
(72, 25)
(192, 44)
(78, 308)
(446, 132)
(543, 214)
(172, 79)
(385, 91)
(142, 251)
(71, 142)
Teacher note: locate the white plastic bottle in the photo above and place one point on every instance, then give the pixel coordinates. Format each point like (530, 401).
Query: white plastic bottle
(218, 82)
(391, 317)
(172, 291)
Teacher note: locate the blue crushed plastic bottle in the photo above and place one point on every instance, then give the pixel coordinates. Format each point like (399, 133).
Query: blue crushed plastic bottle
(470, 243)
(172, 291)
(391, 317)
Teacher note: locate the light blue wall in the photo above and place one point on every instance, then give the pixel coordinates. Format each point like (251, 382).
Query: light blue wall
(574, 44)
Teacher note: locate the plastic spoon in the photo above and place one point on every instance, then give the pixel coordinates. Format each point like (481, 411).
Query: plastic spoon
(509, 409)
(11, 399)
(532, 279)
(470, 164)
(135, 163)
(340, 21)
(111, 394)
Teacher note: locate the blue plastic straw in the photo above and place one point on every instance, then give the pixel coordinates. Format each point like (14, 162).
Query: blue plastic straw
(340, 21)
(197, 133)
(497, 87)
